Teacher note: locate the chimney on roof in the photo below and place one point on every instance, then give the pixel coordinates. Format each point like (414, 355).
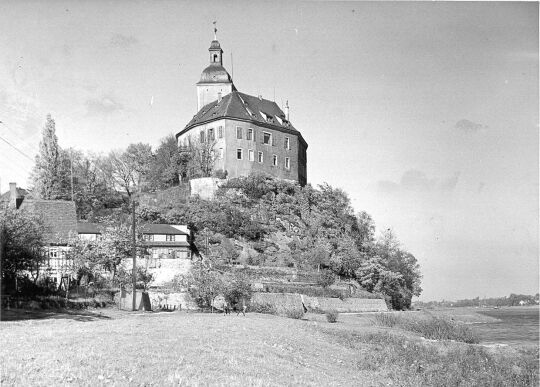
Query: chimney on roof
(260, 97)
(13, 195)
(287, 110)
(219, 97)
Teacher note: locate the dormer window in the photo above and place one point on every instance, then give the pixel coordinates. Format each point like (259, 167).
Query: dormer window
(279, 120)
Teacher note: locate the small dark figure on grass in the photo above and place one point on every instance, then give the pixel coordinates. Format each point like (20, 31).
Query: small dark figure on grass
(240, 309)
(226, 309)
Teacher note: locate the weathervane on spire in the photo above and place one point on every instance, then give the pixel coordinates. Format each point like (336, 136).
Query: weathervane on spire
(215, 30)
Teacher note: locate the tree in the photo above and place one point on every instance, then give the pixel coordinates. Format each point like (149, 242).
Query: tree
(165, 166)
(236, 288)
(197, 158)
(46, 174)
(203, 284)
(22, 245)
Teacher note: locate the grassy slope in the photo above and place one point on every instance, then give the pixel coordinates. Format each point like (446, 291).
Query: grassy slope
(174, 348)
(206, 349)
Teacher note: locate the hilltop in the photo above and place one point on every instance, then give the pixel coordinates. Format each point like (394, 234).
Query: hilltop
(266, 222)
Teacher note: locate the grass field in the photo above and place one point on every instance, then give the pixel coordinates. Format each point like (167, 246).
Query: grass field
(121, 348)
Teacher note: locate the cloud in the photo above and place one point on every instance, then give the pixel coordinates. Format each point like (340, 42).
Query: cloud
(469, 126)
(103, 106)
(123, 41)
(417, 181)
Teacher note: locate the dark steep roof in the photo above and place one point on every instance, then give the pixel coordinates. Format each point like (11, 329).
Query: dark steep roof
(240, 106)
(88, 228)
(21, 193)
(160, 228)
(59, 218)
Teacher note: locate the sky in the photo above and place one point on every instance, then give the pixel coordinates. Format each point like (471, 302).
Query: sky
(426, 114)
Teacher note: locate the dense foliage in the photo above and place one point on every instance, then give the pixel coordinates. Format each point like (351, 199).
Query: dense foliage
(21, 242)
(275, 222)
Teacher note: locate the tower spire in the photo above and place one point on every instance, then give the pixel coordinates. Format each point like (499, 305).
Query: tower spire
(215, 29)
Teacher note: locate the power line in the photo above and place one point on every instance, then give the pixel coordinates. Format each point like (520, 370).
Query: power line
(27, 145)
(17, 149)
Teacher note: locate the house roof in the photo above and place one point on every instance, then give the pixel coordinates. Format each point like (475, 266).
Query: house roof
(161, 228)
(59, 218)
(21, 193)
(88, 228)
(240, 106)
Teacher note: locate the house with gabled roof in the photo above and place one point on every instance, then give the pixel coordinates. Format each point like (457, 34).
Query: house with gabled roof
(247, 133)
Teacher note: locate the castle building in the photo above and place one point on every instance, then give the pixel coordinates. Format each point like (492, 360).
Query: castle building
(245, 133)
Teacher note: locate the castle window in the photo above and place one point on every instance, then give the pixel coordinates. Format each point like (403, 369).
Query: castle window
(251, 155)
(211, 134)
(169, 238)
(267, 138)
(274, 160)
(238, 132)
(220, 132)
(215, 58)
(260, 157)
(202, 137)
(249, 134)
(239, 153)
(221, 153)
(287, 143)
(287, 163)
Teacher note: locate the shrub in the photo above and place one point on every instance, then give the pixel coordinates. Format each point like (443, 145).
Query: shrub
(294, 313)
(326, 278)
(430, 327)
(332, 316)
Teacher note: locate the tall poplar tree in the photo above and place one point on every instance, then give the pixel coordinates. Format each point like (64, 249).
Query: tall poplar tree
(47, 170)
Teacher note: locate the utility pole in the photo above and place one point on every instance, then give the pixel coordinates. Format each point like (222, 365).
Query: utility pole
(134, 252)
(71, 169)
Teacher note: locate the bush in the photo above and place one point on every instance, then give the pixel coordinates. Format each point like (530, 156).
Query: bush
(332, 316)
(294, 313)
(430, 327)
(287, 305)
(326, 278)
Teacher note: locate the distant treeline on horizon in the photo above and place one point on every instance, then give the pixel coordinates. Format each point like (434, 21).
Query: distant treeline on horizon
(511, 300)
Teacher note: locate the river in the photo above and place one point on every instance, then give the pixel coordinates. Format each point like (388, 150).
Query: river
(516, 326)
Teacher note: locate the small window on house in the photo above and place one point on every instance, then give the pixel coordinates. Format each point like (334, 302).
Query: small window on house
(274, 160)
(211, 134)
(238, 132)
(202, 137)
(267, 138)
(287, 143)
(148, 237)
(251, 155)
(169, 238)
(287, 163)
(220, 132)
(260, 157)
(239, 154)
(249, 134)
